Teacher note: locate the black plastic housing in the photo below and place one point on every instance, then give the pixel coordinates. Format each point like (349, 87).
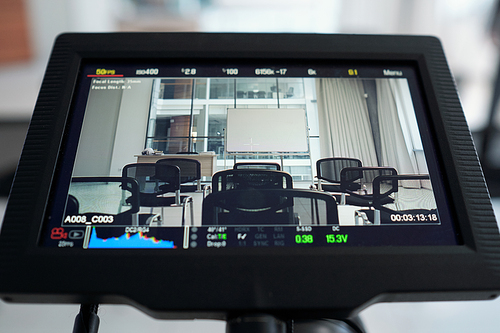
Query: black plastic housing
(219, 283)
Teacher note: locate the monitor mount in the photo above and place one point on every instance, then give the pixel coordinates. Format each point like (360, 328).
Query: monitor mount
(87, 321)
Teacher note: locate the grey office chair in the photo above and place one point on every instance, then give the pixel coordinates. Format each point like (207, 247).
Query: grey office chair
(155, 182)
(190, 170)
(412, 201)
(257, 165)
(356, 184)
(328, 170)
(242, 179)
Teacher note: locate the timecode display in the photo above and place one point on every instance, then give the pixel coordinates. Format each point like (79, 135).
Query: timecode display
(414, 218)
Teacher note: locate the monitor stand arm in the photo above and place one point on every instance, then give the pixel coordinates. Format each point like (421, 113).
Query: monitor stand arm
(264, 323)
(87, 320)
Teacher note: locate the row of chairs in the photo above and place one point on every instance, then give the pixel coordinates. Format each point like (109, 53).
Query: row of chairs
(248, 194)
(348, 181)
(176, 175)
(339, 175)
(252, 193)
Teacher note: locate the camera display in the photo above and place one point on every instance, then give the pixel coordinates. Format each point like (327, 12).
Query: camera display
(297, 175)
(176, 155)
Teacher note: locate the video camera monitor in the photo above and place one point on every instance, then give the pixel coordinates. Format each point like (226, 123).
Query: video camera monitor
(356, 179)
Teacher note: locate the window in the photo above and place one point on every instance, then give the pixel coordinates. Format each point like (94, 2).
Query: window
(182, 121)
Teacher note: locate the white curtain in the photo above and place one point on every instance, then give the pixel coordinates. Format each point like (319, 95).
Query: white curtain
(344, 126)
(409, 124)
(397, 146)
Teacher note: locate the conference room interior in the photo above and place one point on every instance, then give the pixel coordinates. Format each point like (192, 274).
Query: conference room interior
(370, 120)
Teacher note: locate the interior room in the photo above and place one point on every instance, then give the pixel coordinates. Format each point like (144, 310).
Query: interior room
(372, 121)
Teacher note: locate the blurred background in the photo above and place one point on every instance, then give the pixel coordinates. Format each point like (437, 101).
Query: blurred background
(467, 29)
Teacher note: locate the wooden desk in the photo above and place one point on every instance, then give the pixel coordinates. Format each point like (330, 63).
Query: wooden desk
(208, 160)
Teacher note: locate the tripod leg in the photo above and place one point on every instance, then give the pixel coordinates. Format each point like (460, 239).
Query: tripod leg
(87, 320)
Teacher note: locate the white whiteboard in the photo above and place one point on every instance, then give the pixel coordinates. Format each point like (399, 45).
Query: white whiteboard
(266, 130)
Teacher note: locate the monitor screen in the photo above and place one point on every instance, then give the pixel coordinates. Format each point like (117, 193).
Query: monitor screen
(356, 159)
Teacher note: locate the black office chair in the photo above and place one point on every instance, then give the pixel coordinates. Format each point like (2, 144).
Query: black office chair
(328, 169)
(190, 172)
(155, 181)
(257, 165)
(356, 184)
(105, 196)
(412, 202)
(269, 207)
(72, 205)
(242, 179)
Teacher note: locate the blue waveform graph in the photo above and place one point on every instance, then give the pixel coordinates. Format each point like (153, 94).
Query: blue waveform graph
(129, 241)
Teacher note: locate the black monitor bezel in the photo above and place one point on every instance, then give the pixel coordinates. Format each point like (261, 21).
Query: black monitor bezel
(214, 283)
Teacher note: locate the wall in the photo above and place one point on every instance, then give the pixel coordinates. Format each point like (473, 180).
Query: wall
(97, 138)
(115, 125)
(132, 125)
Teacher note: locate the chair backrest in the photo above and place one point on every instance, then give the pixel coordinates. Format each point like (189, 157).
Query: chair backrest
(103, 195)
(358, 181)
(190, 168)
(242, 179)
(409, 193)
(269, 207)
(154, 178)
(257, 165)
(72, 205)
(329, 168)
